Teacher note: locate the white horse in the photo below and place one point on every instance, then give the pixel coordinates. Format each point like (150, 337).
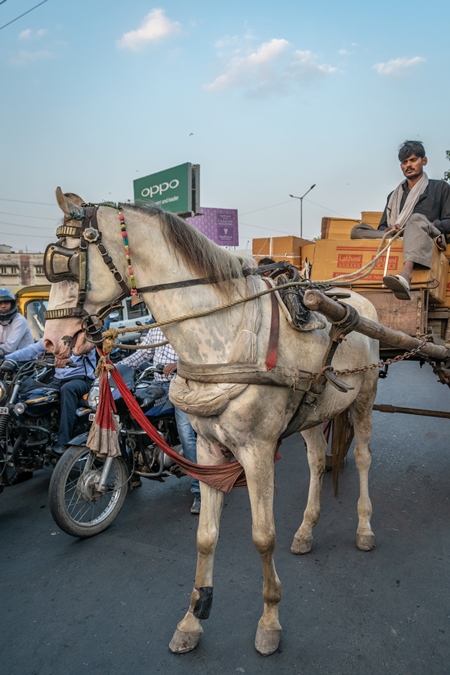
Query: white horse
(165, 250)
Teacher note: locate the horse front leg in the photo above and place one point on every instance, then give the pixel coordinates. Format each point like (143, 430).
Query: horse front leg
(259, 471)
(189, 629)
(361, 410)
(316, 448)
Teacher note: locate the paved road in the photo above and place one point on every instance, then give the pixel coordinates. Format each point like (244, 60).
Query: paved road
(109, 605)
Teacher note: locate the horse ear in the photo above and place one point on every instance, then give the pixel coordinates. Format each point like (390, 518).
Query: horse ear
(68, 201)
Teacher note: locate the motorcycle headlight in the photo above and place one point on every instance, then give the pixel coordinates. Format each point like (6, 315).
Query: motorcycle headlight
(2, 390)
(19, 408)
(93, 396)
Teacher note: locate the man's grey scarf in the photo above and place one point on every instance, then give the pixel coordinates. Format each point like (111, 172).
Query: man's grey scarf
(394, 215)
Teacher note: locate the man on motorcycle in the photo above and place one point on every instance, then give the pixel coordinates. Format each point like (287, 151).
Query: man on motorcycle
(166, 356)
(73, 377)
(15, 332)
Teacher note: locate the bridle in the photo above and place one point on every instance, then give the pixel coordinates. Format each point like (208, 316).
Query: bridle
(71, 264)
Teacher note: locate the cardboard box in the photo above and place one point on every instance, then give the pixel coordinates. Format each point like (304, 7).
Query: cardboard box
(340, 228)
(337, 228)
(333, 258)
(307, 253)
(279, 248)
(371, 218)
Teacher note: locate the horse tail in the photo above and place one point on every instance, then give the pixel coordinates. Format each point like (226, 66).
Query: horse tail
(342, 433)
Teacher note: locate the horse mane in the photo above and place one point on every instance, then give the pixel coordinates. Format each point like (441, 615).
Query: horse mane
(202, 256)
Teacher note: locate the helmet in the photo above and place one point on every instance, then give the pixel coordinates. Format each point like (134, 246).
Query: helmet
(8, 296)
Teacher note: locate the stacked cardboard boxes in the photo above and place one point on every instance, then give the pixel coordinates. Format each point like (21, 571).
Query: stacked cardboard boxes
(333, 258)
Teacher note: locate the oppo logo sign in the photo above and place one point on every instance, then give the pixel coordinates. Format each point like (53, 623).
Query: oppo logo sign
(159, 189)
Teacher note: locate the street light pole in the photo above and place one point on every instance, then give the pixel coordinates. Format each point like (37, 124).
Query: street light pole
(301, 207)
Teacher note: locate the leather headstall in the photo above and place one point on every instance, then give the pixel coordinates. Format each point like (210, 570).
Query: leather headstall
(70, 264)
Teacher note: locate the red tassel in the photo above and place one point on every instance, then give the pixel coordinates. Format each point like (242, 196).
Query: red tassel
(103, 436)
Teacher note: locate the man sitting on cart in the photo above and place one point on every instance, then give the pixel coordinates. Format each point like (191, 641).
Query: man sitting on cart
(421, 207)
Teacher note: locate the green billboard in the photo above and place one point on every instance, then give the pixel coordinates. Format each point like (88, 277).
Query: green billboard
(176, 189)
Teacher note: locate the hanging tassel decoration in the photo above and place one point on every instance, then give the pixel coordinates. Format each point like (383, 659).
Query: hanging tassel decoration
(103, 436)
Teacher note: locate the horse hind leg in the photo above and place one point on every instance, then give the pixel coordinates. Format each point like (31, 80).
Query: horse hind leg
(316, 448)
(189, 629)
(361, 410)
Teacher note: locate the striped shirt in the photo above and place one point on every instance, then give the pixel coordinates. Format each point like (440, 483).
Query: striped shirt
(160, 355)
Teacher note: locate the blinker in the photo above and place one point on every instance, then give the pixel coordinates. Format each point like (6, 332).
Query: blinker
(61, 263)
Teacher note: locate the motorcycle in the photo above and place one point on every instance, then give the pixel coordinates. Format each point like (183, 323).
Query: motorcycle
(86, 491)
(29, 420)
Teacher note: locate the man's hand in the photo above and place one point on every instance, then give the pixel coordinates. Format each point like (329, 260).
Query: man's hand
(169, 368)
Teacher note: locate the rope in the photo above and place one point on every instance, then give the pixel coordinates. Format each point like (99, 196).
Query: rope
(110, 335)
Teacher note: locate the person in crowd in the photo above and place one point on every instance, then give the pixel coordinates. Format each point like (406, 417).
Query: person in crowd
(266, 261)
(420, 206)
(73, 377)
(166, 356)
(15, 332)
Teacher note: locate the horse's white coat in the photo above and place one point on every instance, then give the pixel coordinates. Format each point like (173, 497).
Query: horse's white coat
(252, 423)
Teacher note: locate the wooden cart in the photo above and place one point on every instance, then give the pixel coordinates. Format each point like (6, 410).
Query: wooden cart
(427, 313)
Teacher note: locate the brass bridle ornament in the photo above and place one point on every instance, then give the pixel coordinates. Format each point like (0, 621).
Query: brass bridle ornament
(71, 264)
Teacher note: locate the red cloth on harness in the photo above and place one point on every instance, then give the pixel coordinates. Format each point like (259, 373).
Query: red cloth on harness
(222, 477)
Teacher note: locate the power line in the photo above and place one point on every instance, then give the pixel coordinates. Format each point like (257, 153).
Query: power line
(264, 208)
(269, 229)
(22, 215)
(326, 209)
(22, 201)
(19, 17)
(27, 227)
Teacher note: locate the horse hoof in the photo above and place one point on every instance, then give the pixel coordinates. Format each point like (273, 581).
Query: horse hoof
(267, 641)
(365, 542)
(183, 642)
(301, 546)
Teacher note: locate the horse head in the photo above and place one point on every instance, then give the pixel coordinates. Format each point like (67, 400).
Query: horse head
(82, 285)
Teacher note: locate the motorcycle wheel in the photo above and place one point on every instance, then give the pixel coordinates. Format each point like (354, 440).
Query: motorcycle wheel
(77, 507)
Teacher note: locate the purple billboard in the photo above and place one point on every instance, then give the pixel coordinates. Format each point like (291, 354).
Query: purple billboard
(219, 225)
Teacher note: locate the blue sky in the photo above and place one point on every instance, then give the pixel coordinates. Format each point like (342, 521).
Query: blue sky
(268, 97)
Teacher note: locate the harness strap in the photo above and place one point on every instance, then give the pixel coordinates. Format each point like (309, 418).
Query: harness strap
(272, 349)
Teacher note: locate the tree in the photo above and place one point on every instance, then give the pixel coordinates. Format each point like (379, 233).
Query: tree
(447, 173)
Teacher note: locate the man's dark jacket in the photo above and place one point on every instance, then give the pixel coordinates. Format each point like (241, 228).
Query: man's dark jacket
(434, 204)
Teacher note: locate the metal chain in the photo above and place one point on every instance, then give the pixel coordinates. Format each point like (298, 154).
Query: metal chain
(387, 362)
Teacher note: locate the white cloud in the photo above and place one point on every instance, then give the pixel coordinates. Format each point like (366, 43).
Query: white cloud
(256, 70)
(269, 68)
(154, 28)
(304, 64)
(397, 66)
(24, 58)
(27, 34)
